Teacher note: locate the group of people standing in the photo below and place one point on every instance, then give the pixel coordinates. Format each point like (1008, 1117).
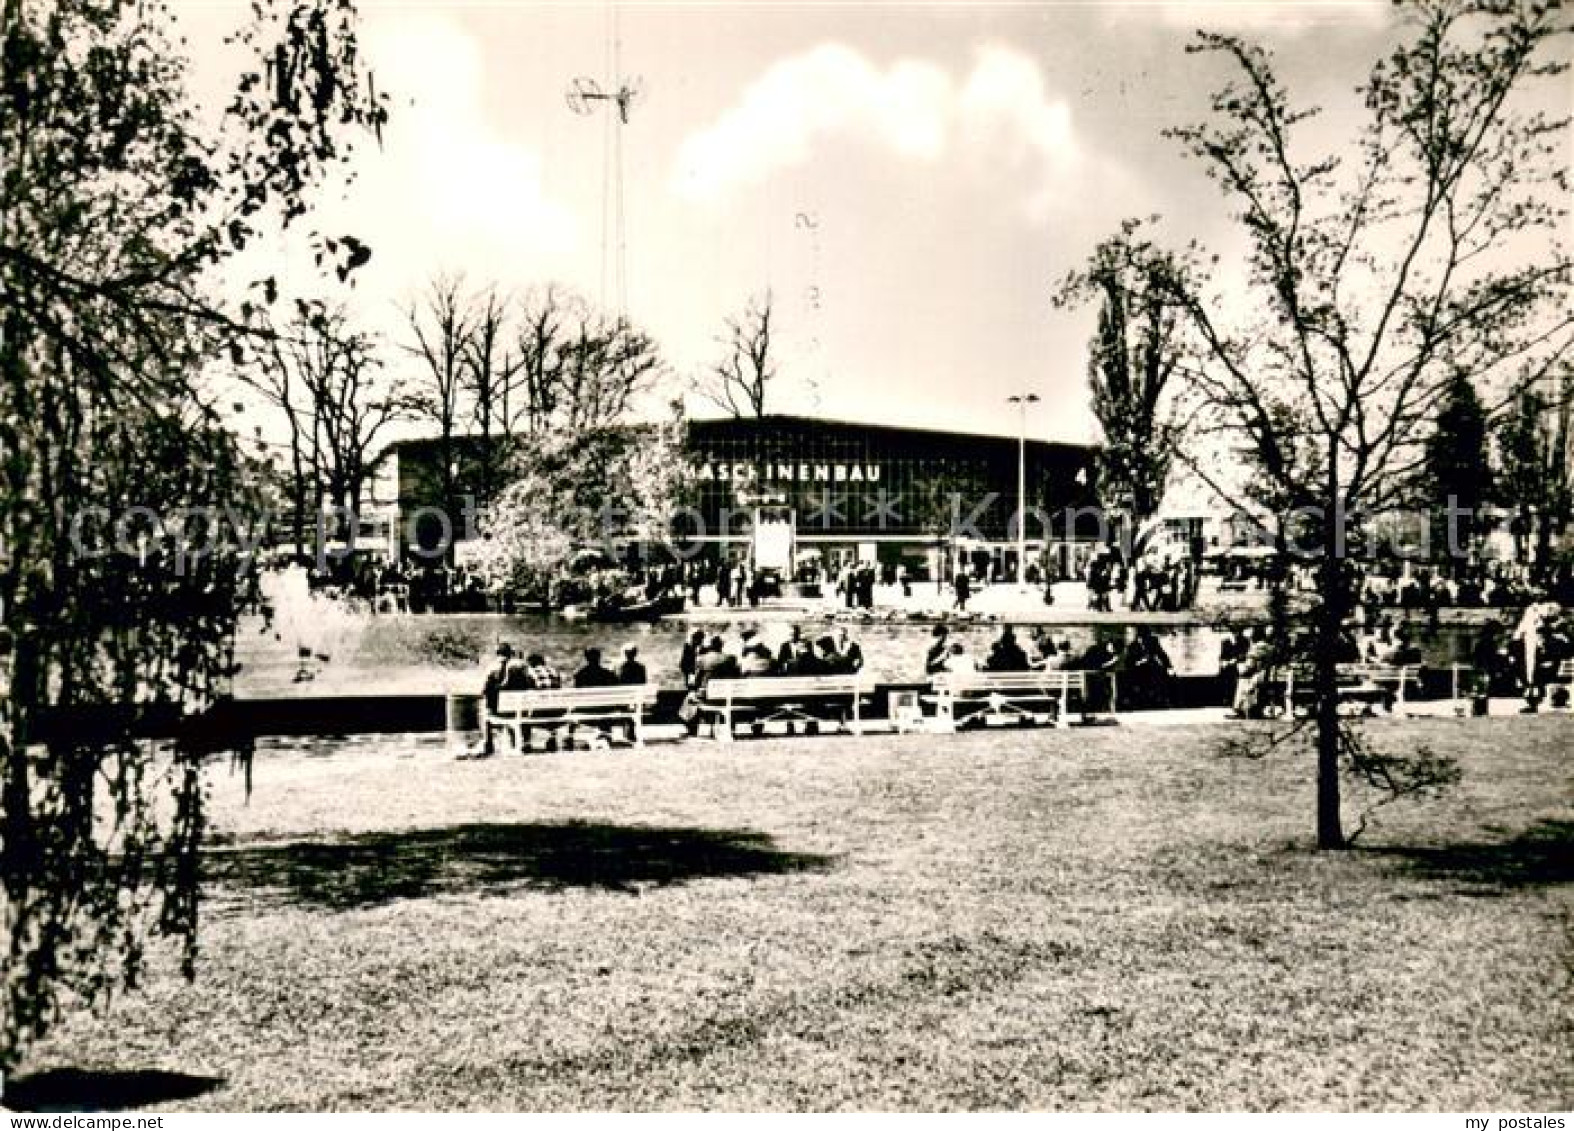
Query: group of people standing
(1528, 659)
(1157, 585)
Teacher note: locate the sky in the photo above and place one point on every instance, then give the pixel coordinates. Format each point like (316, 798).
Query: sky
(908, 181)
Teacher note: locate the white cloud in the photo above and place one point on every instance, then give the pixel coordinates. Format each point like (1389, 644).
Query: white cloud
(1274, 17)
(829, 90)
(446, 189)
(1000, 111)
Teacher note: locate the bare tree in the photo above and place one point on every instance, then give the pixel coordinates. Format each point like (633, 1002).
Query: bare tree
(440, 323)
(578, 368)
(542, 325)
(273, 376)
(739, 381)
(1371, 283)
(492, 380)
(328, 382)
(351, 401)
(606, 365)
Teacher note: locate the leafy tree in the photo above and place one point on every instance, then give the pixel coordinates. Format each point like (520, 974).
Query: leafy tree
(1372, 282)
(739, 381)
(1134, 353)
(119, 212)
(592, 489)
(1458, 474)
(493, 380)
(1536, 457)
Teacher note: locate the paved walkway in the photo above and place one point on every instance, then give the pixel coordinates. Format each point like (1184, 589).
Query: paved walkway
(438, 745)
(1024, 604)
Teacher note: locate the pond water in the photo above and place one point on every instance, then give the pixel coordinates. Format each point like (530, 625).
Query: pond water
(363, 654)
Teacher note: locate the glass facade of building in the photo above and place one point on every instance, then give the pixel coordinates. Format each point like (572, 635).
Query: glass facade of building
(871, 482)
(777, 488)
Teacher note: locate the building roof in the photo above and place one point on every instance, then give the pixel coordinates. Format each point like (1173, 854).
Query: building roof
(800, 423)
(865, 428)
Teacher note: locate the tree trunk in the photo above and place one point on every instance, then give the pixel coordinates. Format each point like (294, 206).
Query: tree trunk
(17, 848)
(1325, 677)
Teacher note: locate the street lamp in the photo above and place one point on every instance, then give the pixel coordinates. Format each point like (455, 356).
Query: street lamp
(1022, 400)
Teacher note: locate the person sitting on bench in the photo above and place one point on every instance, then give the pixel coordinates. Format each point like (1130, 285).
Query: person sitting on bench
(939, 651)
(958, 661)
(632, 673)
(542, 676)
(1006, 655)
(492, 686)
(794, 655)
(692, 647)
(755, 658)
(822, 659)
(713, 662)
(593, 673)
(852, 656)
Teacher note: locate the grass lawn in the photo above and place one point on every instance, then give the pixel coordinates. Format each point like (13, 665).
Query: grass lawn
(1107, 918)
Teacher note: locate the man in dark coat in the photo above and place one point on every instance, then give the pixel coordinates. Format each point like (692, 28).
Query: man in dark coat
(593, 673)
(632, 672)
(492, 686)
(935, 660)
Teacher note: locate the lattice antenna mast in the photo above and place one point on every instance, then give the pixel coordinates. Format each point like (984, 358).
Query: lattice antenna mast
(585, 96)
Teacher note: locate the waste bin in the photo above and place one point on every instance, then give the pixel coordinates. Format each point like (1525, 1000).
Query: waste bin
(464, 713)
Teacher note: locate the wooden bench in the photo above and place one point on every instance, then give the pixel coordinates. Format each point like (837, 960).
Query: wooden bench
(570, 707)
(1564, 679)
(961, 698)
(792, 699)
(1359, 683)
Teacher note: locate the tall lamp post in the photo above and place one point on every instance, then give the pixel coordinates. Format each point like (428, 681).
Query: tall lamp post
(1022, 400)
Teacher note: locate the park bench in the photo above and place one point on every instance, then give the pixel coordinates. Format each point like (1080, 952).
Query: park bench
(600, 708)
(980, 698)
(1366, 684)
(1564, 679)
(792, 699)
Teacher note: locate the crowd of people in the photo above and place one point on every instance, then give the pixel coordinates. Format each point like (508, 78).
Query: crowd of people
(1143, 666)
(710, 655)
(1525, 661)
(1150, 584)
(362, 583)
(1488, 585)
(1253, 660)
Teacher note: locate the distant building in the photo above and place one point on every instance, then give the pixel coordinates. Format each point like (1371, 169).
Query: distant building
(784, 490)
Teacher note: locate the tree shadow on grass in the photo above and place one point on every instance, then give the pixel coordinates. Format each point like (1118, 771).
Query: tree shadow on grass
(372, 869)
(76, 1089)
(1541, 856)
